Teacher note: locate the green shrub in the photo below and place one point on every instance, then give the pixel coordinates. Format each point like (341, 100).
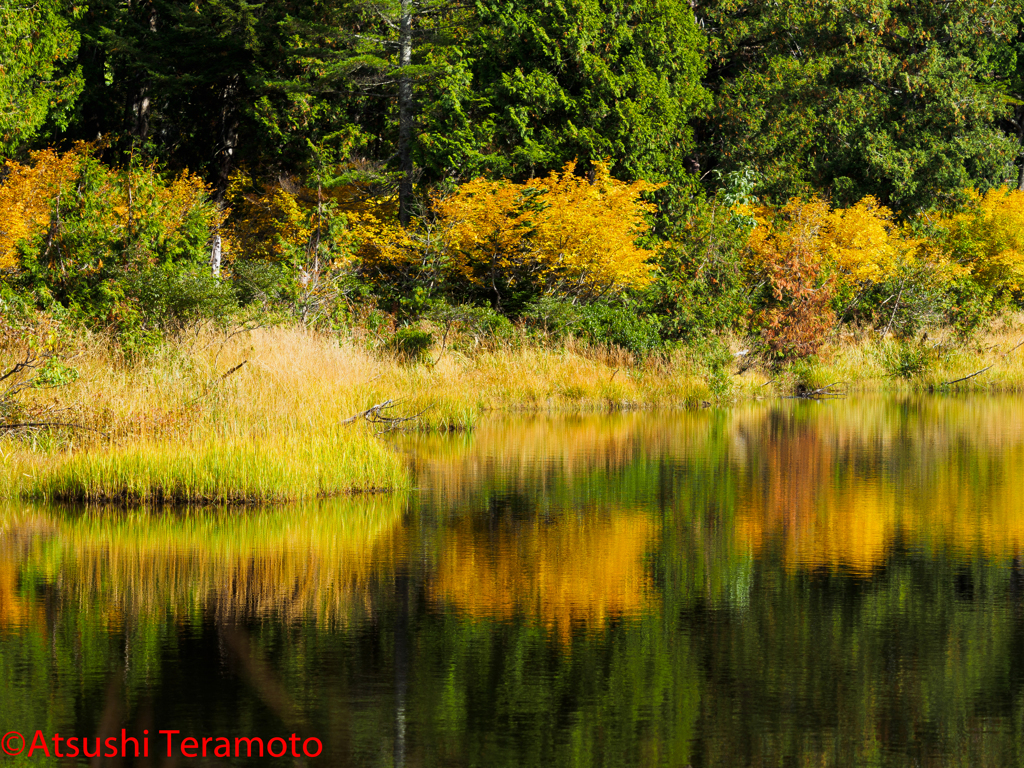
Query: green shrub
(126, 250)
(905, 358)
(458, 323)
(410, 345)
(624, 323)
(171, 297)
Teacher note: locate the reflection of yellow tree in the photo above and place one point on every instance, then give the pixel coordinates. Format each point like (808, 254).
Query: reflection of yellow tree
(837, 489)
(574, 571)
(292, 562)
(13, 610)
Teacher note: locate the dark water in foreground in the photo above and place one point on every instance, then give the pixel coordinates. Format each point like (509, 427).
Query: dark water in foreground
(787, 584)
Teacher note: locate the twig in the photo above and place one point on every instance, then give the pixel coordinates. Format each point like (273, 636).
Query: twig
(211, 382)
(976, 373)
(31, 424)
(365, 414)
(375, 415)
(28, 362)
(895, 308)
(823, 390)
(229, 372)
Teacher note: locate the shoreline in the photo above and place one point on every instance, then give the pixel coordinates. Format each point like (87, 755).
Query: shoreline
(299, 413)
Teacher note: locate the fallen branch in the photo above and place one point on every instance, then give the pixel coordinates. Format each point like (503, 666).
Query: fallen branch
(209, 385)
(822, 393)
(375, 414)
(29, 362)
(37, 424)
(977, 373)
(232, 370)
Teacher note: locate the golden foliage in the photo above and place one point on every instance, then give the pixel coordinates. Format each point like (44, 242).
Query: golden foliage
(864, 243)
(564, 233)
(858, 244)
(986, 241)
(578, 236)
(26, 196)
(263, 220)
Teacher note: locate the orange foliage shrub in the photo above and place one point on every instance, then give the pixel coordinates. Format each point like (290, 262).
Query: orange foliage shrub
(785, 252)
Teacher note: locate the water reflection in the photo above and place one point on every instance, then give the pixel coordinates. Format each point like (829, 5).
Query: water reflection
(569, 571)
(782, 583)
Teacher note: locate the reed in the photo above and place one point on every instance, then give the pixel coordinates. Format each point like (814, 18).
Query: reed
(263, 415)
(224, 471)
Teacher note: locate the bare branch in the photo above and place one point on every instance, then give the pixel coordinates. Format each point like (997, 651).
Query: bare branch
(376, 414)
(976, 373)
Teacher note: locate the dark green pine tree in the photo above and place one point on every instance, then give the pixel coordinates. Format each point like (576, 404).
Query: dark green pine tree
(891, 98)
(38, 78)
(536, 84)
(186, 80)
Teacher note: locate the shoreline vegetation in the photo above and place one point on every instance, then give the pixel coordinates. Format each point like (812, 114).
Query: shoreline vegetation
(288, 413)
(226, 269)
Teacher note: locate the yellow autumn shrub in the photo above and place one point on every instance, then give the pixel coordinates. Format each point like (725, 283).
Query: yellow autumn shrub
(574, 236)
(562, 234)
(864, 243)
(986, 241)
(264, 219)
(26, 196)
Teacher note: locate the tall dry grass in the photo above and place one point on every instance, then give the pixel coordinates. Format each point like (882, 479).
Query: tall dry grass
(188, 423)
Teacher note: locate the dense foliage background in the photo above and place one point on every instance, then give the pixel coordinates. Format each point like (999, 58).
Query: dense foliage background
(638, 173)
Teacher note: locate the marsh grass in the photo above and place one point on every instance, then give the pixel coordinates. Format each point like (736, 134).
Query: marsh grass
(224, 471)
(869, 364)
(187, 424)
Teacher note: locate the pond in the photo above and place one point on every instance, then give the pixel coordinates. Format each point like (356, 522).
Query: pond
(780, 583)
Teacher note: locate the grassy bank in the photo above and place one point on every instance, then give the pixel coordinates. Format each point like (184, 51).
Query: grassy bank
(267, 415)
(299, 466)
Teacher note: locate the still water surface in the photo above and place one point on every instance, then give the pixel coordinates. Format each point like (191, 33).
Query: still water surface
(791, 583)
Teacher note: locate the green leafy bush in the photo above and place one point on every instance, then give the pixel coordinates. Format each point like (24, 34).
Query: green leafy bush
(906, 358)
(624, 323)
(410, 345)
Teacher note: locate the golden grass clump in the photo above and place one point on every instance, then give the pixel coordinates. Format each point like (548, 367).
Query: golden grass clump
(225, 471)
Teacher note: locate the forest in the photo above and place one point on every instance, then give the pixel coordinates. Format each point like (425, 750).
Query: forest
(649, 175)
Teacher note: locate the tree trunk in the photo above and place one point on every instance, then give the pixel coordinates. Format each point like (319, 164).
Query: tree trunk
(228, 134)
(215, 255)
(142, 108)
(405, 114)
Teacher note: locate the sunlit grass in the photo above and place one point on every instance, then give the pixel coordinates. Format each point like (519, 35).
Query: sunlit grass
(287, 467)
(261, 415)
(871, 363)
